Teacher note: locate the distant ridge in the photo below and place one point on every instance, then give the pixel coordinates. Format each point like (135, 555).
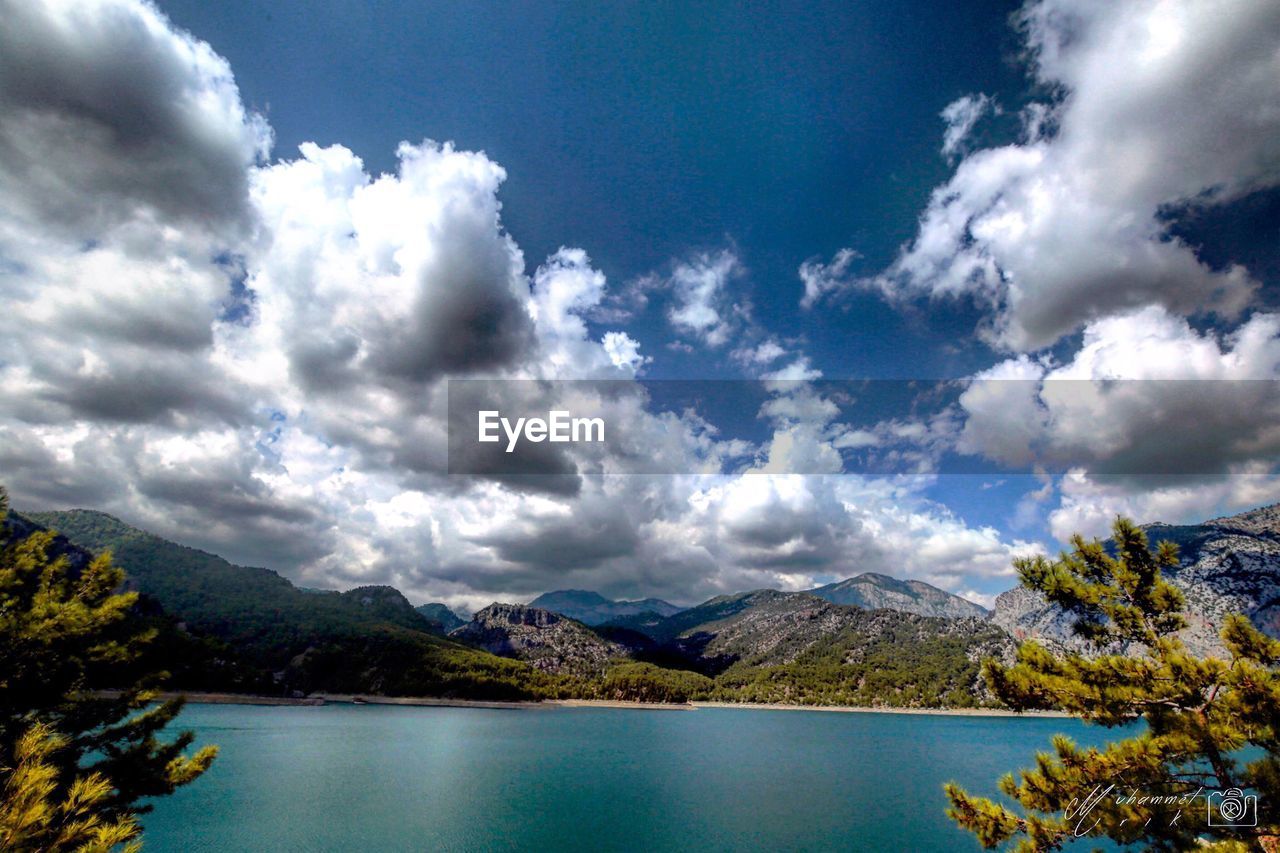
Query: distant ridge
(868, 640)
(442, 615)
(592, 608)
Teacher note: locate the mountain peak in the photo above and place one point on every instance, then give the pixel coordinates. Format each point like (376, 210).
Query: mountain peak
(872, 590)
(439, 613)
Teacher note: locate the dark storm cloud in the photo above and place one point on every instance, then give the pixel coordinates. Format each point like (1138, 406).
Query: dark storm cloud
(572, 543)
(32, 473)
(222, 496)
(466, 319)
(106, 114)
(145, 393)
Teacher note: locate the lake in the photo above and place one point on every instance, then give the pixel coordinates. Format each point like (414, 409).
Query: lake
(344, 777)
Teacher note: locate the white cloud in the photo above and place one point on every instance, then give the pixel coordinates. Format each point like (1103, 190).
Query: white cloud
(961, 115)
(703, 306)
(1089, 506)
(983, 599)
(765, 353)
(1164, 103)
(799, 370)
(832, 278)
(1145, 394)
(1150, 419)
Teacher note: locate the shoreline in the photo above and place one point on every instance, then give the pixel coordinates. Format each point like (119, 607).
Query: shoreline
(320, 699)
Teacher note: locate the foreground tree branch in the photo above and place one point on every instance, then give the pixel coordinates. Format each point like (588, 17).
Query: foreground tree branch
(80, 731)
(1210, 725)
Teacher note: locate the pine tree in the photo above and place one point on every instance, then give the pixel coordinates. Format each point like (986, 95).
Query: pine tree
(1210, 725)
(80, 728)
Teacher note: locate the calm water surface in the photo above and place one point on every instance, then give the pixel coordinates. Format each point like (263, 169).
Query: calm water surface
(343, 777)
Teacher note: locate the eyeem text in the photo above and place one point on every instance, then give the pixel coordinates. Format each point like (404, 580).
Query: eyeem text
(558, 426)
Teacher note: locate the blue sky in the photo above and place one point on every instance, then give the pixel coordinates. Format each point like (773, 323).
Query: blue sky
(645, 132)
(234, 300)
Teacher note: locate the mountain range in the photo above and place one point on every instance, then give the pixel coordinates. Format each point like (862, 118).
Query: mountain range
(867, 640)
(868, 590)
(592, 608)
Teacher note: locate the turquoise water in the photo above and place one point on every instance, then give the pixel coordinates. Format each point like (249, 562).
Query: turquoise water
(343, 777)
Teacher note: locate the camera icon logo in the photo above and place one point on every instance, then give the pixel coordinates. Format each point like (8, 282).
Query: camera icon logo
(1234, 808)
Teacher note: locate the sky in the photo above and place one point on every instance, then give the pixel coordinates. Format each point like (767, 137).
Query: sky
(243, 250)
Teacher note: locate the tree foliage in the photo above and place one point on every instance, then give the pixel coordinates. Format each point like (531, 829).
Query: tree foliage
(644, 682)
(39, 813)
(80, 730)
(1210, 725)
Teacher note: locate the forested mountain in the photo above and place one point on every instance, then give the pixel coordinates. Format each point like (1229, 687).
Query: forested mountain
(240, 628)
(248, 605)
(771, 646)
(763, 646)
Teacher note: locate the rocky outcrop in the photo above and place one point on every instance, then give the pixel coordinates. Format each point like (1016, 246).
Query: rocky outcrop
(546, 640)
(779, 627)
(874, 591)
(1025, 615)
(1227, 565)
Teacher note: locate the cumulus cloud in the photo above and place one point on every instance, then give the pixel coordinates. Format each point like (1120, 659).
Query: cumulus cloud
(765, 353)
(108, 114)
(1145, 394)
(254, 357)
(1150, 418)
(1163, 104)
(404, 277)
(793, 532)
(1089, 504)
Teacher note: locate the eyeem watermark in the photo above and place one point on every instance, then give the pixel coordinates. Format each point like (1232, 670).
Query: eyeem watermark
(559, 426)
(528, 428)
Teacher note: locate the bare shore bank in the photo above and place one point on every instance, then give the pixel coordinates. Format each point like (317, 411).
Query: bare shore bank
(436, 702)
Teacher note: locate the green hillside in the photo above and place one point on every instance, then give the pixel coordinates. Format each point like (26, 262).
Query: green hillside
(266, 633)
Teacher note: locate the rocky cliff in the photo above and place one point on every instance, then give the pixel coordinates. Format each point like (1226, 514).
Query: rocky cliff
(546, 640)
(1227, 565)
